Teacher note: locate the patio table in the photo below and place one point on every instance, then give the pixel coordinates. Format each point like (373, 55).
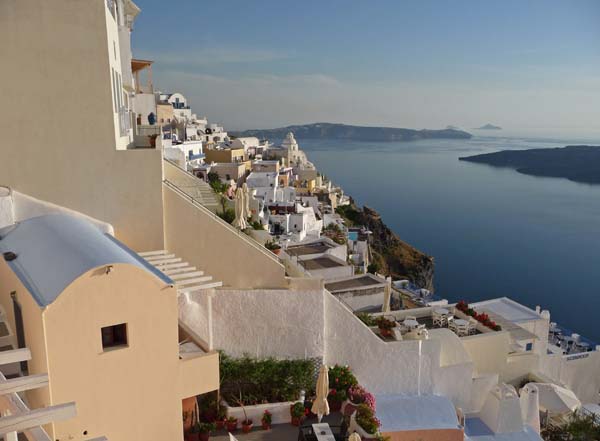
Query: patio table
(411, 324)
(441, 311)
(461, 322)
(323, 432)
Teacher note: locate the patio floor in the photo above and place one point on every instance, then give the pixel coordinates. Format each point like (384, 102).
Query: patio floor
(279, 432)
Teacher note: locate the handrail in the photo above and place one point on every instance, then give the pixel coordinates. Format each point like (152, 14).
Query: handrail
(240, 234)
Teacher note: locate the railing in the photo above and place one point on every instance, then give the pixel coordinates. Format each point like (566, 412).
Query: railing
(124, 121)
(198, 204)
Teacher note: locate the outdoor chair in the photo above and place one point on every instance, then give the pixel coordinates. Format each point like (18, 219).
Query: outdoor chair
(472, 326)
(439, 321)
(452, 325)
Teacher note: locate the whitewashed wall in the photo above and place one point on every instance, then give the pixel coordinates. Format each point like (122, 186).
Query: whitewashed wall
(313, 323)
(579, 372)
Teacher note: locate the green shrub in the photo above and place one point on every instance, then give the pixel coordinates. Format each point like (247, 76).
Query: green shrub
(341, 379)
(365, 418)
(366, 318)
(256, 381)
(228, 215)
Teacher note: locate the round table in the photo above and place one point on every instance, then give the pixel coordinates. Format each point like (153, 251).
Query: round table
(441, 311)
(410, 324)
(461, 322)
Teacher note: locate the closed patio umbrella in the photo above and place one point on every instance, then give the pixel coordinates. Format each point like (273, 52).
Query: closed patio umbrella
(556, 399)
(232, 438)
(320, 406)
(240, 210)
(387, 295)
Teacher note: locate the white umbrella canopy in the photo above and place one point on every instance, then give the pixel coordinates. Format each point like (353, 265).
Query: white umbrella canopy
(232, 438)
(320, 406)
(556, 399)
(354, 437)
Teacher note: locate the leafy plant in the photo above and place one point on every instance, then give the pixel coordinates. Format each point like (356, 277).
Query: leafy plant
(579, 427)
(205, 427)
(359, 395)
(341, 379)
(366, 318)
(365, 418)
(297, 410)
(258, 381)
(373, 268)
(228, 215)
(272, 245)
(384, 323)
(267, 418)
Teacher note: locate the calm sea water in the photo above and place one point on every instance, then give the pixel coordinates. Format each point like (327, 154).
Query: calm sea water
(493, 232)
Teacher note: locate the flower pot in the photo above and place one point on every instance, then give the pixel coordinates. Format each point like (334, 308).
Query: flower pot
(266, 426)
(231, 426)
(192, 436)
(334, 405)
(296, 421)
(385, 332)
(246, 426)
(220, 424)
(277, 251)
(205, 436)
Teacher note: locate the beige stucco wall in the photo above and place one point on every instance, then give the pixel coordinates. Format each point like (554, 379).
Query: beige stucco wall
(34, 331)
(61, 106)
(204, 240)
(126, 393)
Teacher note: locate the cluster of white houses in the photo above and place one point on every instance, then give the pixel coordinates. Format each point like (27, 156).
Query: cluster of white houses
(119, 284)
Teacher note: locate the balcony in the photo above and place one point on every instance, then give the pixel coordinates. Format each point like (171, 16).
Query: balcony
(198, 366)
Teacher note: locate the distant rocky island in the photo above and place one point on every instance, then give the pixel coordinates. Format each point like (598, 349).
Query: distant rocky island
(488, 127)
(356, 133)
(578, 163)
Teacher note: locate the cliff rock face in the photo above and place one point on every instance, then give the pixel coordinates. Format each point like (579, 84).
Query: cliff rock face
(393, 256)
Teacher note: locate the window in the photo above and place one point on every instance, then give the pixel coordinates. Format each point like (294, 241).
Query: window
(529, 346)
(114, 336)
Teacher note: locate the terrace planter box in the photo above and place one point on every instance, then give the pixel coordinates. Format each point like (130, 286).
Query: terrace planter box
(280, 412)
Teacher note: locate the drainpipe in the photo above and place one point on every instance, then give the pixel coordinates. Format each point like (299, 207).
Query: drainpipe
(419, 369)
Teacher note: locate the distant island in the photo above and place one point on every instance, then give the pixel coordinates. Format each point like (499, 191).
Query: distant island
(356, 133)
(488, 127)
(578, 163)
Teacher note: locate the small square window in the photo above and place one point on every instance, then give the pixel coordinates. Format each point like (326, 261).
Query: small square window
(114, 336)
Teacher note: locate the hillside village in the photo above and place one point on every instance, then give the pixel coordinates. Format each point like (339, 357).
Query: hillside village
(164, 280)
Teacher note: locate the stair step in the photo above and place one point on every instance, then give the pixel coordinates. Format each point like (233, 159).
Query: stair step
(153, 259)
(152, 253)
(199, 287)
(172, 265)
(162, 262)
(193, 280)
(180, 271)
(186, 275)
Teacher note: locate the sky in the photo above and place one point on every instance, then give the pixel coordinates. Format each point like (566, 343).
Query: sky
(520, 64)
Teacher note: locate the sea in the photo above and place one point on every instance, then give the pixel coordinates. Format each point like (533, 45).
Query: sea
(493, 232)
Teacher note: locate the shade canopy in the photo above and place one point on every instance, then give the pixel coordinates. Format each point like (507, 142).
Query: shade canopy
(556, 399)
(240, 209)
(320, 406)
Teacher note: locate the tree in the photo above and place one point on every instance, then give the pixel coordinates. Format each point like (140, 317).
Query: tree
(579, 427)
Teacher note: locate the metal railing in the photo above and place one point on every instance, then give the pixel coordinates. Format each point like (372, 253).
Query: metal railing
(124, 121)
(243, 236)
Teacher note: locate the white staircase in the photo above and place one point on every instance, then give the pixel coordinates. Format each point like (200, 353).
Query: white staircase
(187, 278)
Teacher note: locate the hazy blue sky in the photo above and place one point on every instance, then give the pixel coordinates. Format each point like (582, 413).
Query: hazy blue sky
(517, 63)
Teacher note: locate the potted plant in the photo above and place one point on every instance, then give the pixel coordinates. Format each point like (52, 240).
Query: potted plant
(221, 417)
(364, 422)
(385, 326)
(204, 430)
(273, 246)
(266, 420)
(297, 412)
(231, 424)
(357, 395)
(341, 379)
